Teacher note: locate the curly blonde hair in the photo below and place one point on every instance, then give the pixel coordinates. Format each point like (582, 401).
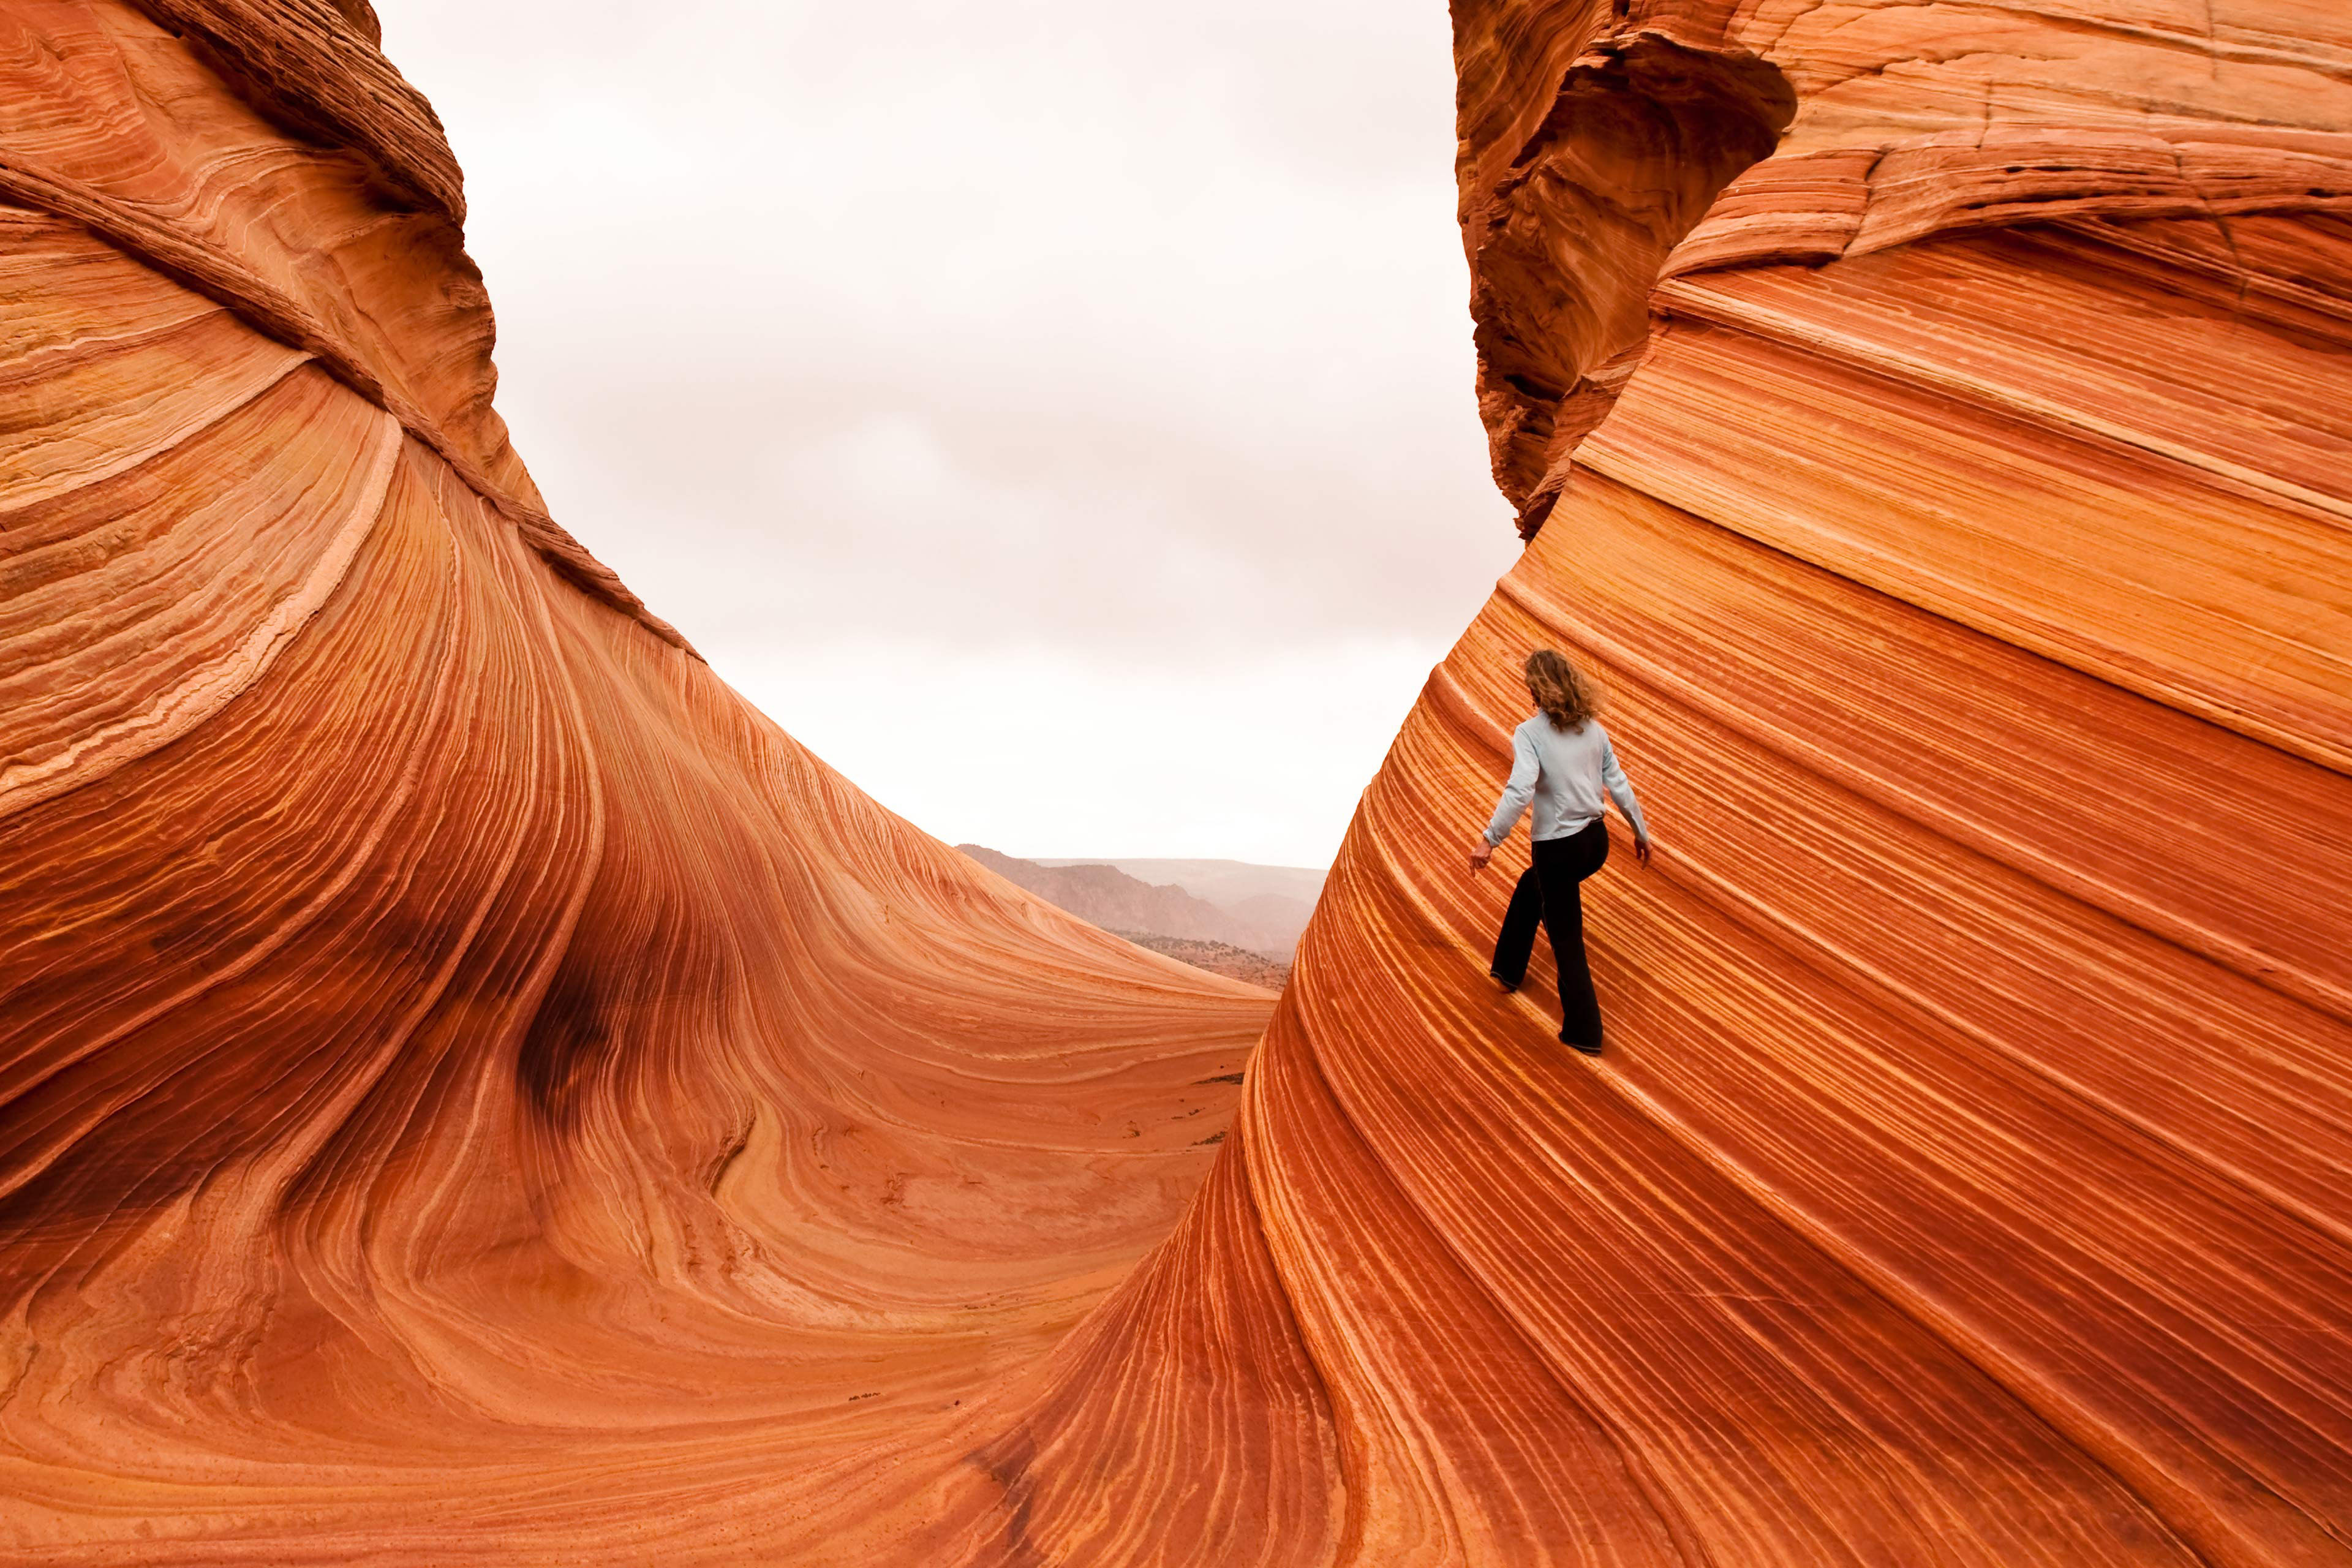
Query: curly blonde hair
(1561, 689)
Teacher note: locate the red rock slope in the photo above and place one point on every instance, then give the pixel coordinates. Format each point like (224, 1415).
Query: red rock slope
(481, 1095)
(470, 1087)
(1933, 424)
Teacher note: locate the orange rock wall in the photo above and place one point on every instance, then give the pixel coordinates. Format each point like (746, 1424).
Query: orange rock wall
(1967, 1179)
(1928, 420)
(470, 1087)
(472, 1091)
(1955, 500)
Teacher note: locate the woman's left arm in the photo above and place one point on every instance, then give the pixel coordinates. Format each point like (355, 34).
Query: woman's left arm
(1621, 790)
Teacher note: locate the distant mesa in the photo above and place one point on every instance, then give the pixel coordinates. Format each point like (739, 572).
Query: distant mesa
(1235, 918)
(1271, 904)
(1229, 883)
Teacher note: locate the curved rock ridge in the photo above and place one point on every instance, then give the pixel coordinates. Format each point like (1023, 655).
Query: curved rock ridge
(1930, 421)
(470, 1087)
(1965, 1182)
(125, 123)
(472, 1091)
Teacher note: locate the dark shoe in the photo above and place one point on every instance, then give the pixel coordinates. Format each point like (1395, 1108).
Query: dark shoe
(1591, 1050)
(1505, 985)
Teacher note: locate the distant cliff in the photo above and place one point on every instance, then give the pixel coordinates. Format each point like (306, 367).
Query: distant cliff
(1222, 940)
(1270, 903)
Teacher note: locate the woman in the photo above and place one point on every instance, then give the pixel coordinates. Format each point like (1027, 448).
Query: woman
(1561, 760)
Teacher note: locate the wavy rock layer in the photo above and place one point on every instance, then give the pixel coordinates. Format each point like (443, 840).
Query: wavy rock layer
(470, 1089)
(473, 1091)
(1930, 421)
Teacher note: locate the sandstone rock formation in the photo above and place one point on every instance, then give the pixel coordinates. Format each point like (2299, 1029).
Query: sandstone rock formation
(1931, 421)
(475, 1093)
(470, 1087)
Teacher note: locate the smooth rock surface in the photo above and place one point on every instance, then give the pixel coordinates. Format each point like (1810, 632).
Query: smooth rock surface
(470, 1087)
(472, 1091)
(1954, 500)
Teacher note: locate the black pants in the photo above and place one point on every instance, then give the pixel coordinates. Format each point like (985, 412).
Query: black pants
(1549, 891)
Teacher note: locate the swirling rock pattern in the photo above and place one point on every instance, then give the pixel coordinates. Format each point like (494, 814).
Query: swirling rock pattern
(469, 1086)
(1930, 423)
(472, 1090)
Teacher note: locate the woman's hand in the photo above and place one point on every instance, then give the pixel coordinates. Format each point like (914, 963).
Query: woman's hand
(1480, 853)
(1641, 850)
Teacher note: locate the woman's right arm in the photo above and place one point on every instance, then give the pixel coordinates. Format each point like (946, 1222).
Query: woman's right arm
(1525, 768)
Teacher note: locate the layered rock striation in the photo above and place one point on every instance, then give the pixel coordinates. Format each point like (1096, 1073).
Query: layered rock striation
(470, 1087)
(1930, 422)
(475, 1092)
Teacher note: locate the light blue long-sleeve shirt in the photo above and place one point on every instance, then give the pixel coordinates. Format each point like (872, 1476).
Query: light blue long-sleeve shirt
(1564, 772)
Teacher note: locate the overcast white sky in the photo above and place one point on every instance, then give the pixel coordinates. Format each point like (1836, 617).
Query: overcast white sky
(1057, 415)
